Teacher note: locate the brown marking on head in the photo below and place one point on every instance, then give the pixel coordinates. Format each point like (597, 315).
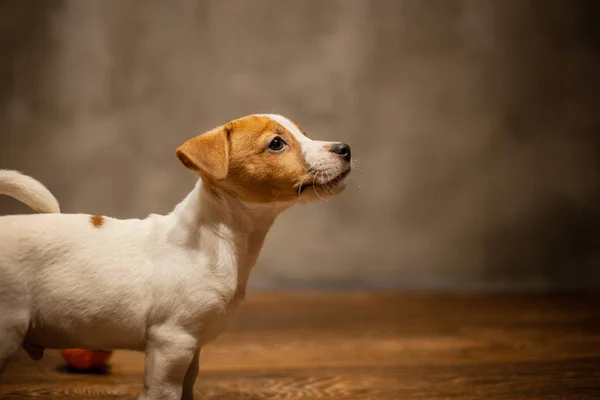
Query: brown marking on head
(265, 158)
(97, 221)
(236, 157)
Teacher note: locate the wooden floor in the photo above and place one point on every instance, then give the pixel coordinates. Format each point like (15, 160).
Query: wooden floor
(370, 346)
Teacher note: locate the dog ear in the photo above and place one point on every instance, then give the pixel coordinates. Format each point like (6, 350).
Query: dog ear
(207, 154)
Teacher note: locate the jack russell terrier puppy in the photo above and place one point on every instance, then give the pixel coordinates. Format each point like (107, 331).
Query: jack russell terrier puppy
(167, 284)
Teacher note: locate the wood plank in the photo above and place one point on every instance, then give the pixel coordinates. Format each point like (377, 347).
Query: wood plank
(370, 346)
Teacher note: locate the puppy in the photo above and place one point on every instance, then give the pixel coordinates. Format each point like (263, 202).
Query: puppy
(167, 284)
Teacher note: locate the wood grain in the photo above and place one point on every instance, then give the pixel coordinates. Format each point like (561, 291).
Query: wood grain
(370, 346)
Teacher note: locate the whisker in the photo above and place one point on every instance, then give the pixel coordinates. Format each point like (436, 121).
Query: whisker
(329, 186)
(315, 187)
(302, 181)
(356, 182)
(274, 202)
(357, 165)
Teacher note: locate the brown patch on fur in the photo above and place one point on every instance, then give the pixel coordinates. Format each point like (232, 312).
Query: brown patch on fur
(257, 174)
(236, 158)
(97, 221)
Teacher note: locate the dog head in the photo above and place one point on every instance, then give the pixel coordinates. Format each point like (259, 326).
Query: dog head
(266, 158)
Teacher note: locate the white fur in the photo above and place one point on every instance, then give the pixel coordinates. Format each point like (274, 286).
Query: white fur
(27, 190)
(167, 284)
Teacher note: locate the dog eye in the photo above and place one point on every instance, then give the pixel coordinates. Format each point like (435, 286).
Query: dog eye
(277, 144)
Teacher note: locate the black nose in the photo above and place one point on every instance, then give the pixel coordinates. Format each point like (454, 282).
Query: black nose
(342, 150)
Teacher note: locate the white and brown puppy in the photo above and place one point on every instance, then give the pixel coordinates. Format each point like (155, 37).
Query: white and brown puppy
(167, 284)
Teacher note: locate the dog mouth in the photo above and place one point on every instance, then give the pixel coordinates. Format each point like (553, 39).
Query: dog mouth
(330, 184)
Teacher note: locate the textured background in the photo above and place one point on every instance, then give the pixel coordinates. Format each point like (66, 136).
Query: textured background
(475, 124)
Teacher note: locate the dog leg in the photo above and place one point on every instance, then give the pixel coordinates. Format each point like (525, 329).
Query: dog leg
(12, 334)
(190, 378)
(35, 352)
(8, 348)
(169, 354)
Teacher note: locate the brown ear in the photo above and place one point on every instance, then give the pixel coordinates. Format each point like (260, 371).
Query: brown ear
(207, 154)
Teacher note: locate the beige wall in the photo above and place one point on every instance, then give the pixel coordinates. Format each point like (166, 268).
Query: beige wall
(473, 122)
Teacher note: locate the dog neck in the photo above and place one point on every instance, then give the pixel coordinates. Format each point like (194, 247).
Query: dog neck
(229, 231)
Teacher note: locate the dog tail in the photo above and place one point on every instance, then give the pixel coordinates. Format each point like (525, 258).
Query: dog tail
(28, 191)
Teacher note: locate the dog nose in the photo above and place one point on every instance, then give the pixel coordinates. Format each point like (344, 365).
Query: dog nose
(342, 150)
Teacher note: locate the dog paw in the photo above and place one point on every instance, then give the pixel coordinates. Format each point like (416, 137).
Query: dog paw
(35, 352)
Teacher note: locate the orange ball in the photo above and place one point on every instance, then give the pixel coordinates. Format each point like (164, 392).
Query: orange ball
(86, 359)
